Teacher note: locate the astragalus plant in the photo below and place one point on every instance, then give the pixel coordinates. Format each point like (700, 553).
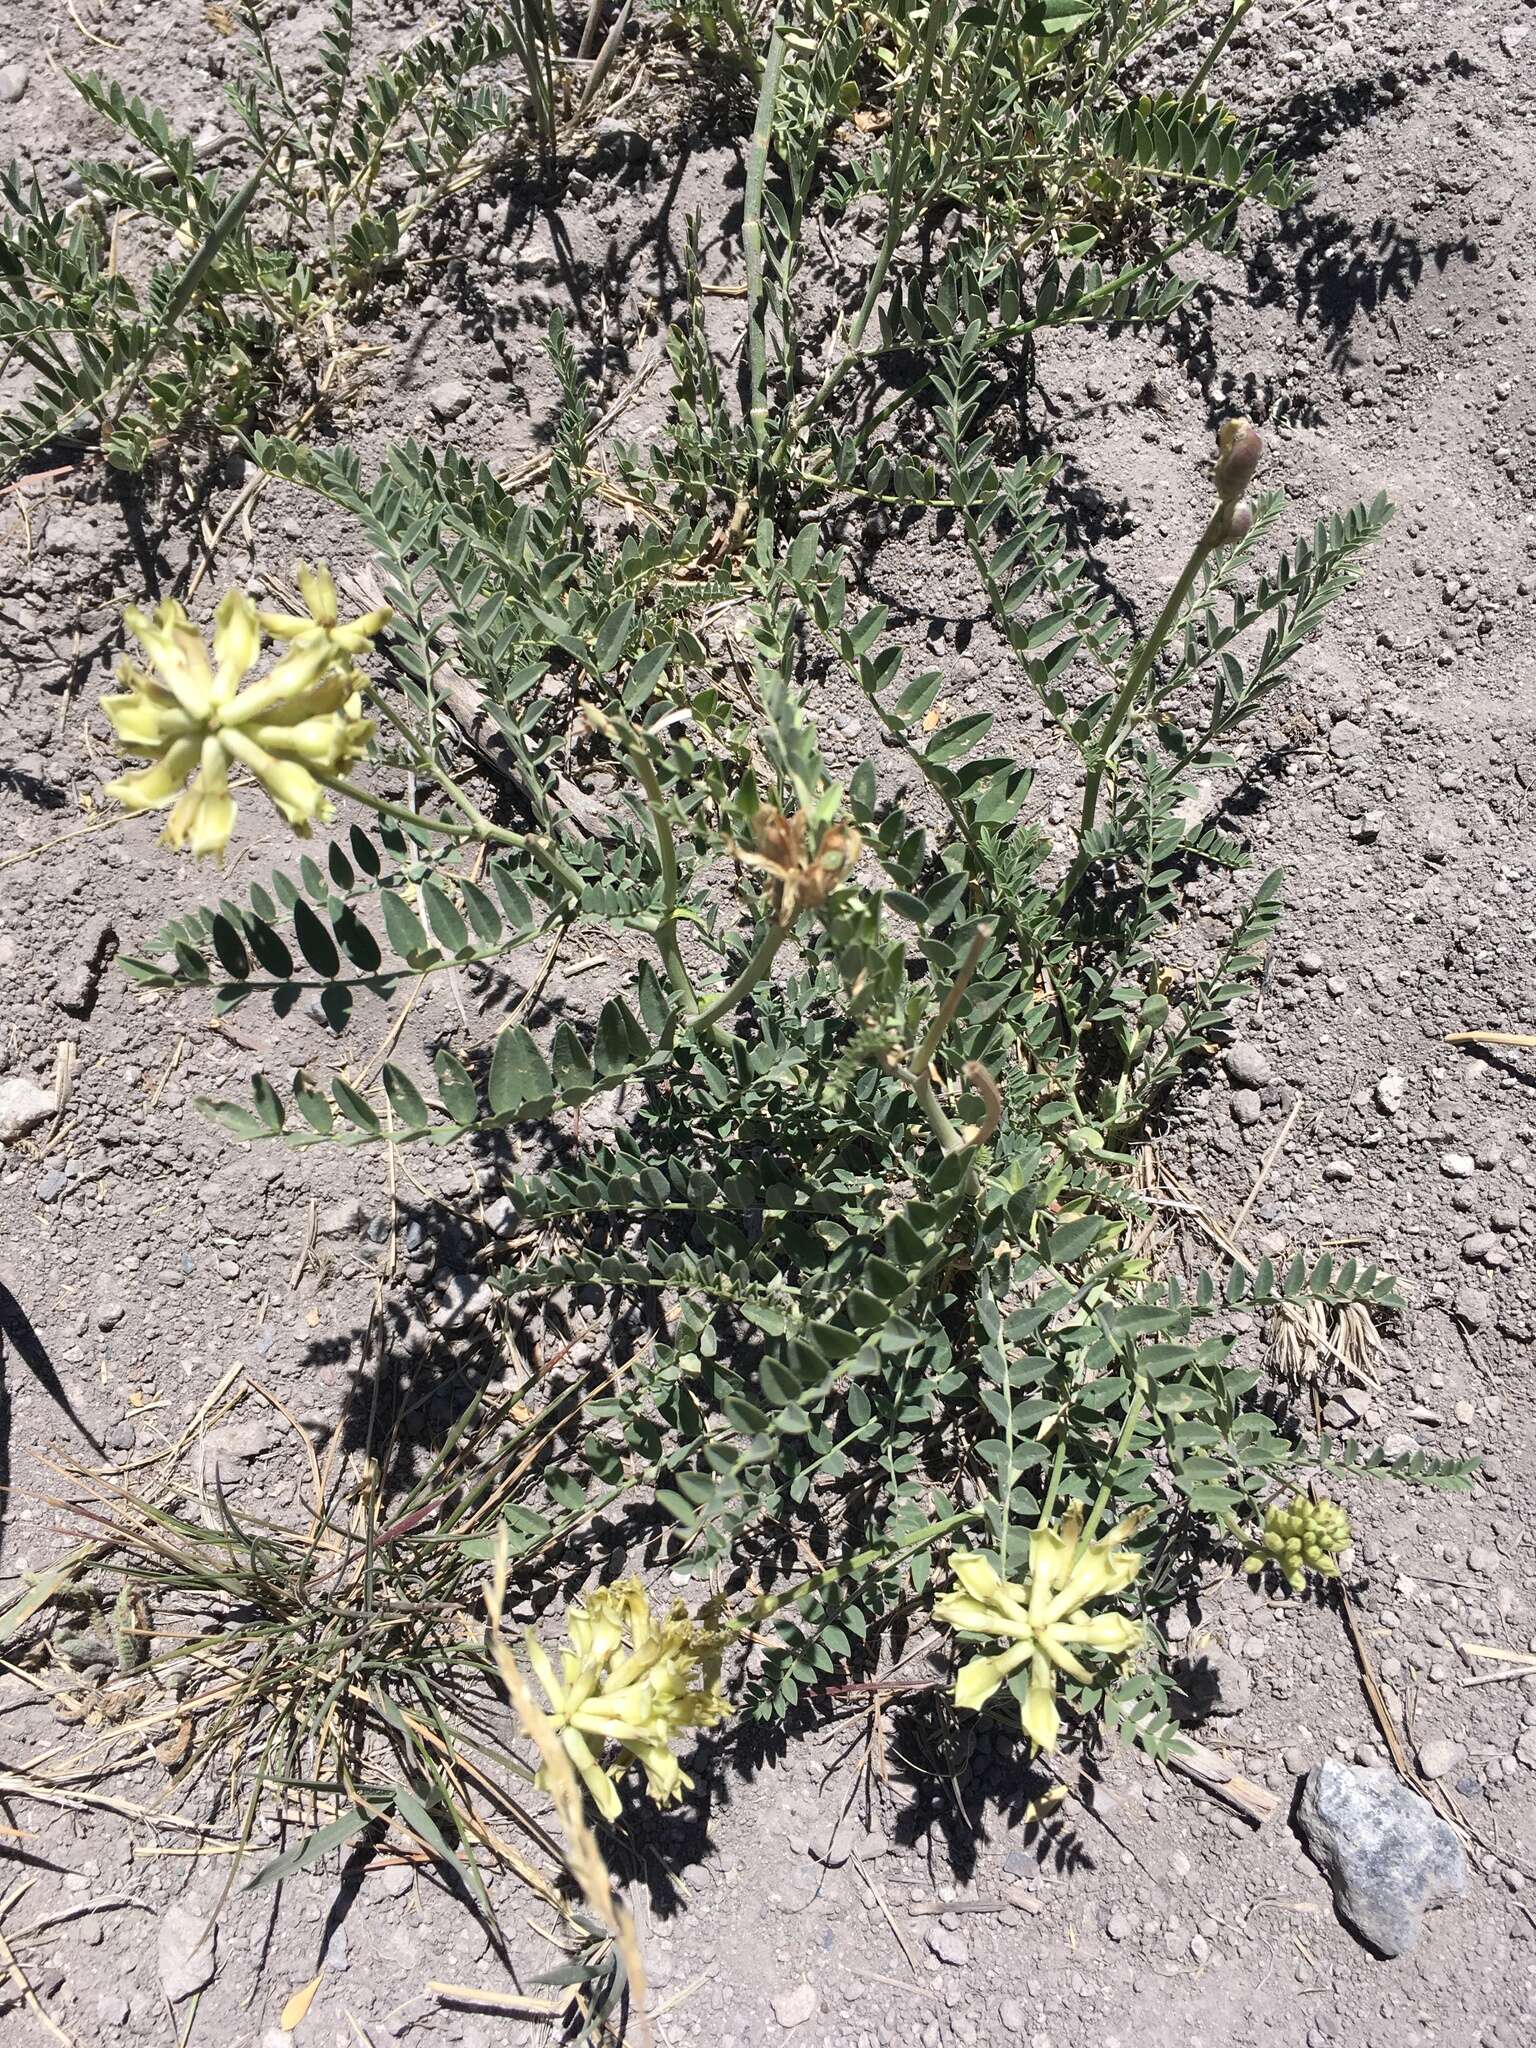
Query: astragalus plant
(879, 1204)
(884, 1076)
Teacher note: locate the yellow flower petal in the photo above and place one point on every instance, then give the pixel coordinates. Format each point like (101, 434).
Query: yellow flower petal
(1051, 1645)
(236, 644)
(974, 1617)
(297, 794)
(152, 788)
(976, 1575)
(317, 587)
(287, 682)
(604, 1793)
(204, 816)
(177, 656)
(976, 1681)
(1042, 1721)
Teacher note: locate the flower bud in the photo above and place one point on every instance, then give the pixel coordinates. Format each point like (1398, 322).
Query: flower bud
(1236, 520)
(1239, 451)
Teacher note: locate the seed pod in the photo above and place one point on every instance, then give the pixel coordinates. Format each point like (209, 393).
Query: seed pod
(1239, 451)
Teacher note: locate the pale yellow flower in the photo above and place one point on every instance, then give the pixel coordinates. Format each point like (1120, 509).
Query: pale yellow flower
(637, 1694)
(298, 725)
(1045, 1620)
(317, 587)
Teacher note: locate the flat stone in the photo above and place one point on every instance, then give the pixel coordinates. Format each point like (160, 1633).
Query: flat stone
(793, 2008)
(1387, 1854)
(1438, 1756)
(23, 1106)
(450, 399)
(14, 80)
(1457, 1165)
(187, 1949)
(1473, 1307)
(340, 1219)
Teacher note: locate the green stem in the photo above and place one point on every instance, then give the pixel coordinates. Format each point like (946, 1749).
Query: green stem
(1219, 43)
(425, 759)
(752, 232)
(923, 1058)
(1058, 1466)
(1130, 691)
(542, 849)
(666, 854)
(1122, 1445)
(758, 964)
(774, 1603)
(906, 127)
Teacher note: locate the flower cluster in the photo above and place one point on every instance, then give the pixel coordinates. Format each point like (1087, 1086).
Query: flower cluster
(1306, 1536)
(638, 1693)
(800, 880)
(298, 726)
(1045, 1620)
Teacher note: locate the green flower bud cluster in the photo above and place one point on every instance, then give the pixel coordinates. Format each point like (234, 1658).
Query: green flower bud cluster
(1306, 1536)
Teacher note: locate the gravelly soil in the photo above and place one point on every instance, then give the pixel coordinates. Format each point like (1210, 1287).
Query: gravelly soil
(141, 1256)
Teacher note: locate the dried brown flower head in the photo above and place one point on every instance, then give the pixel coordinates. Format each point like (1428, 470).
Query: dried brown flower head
(799, 881)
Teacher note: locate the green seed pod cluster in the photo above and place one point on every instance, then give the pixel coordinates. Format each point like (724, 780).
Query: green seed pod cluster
(1305, 1536)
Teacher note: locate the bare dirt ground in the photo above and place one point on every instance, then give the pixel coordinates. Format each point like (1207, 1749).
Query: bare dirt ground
(1386, 326)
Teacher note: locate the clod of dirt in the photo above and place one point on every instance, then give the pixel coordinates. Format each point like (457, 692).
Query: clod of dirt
(1247, 1066)
(75, 989)
(23, 1106)
(187, 1949)
(1387, 1854)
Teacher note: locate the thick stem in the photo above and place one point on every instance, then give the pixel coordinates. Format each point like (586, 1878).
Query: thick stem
(1219, 42)
(774, 1603)
(758, 964)
(1130, 691)
(1117, 1458)
(923, 1058)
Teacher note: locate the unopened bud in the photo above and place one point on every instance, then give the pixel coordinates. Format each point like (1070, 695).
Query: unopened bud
(1236, 520)
(1239, 451)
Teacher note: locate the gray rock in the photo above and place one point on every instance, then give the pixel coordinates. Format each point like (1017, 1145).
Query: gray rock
(1213, 1682)
(1512, 37)
(340, 1219)
(793, 2008)
(112, 2009)
(1247, 1066)
(23, 1106)
(450, 399)
(948, 1947)
(1385, 1851)
(14, 80)
(1391, 1092)
(1457, 1165)
(618, 143)
(465, 1296)
(187, 1949)
(1473, 1307)
(52, 1185)
(1438, 1756)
